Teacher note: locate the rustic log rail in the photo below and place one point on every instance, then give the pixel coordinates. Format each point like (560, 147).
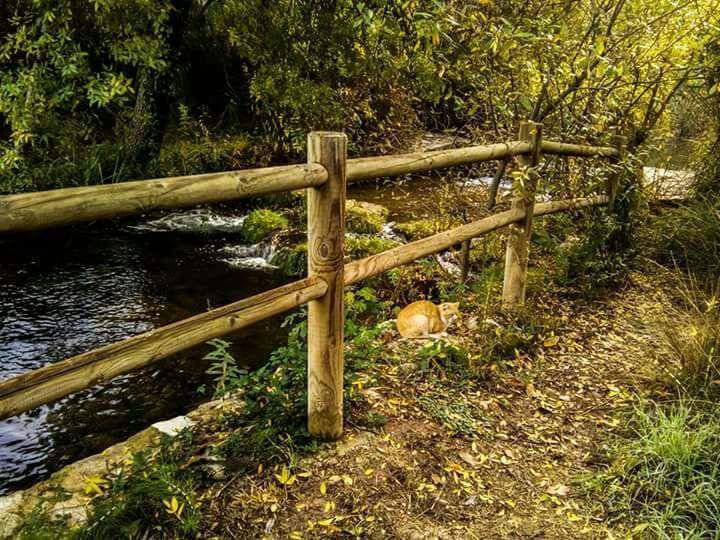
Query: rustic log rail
(326, 175)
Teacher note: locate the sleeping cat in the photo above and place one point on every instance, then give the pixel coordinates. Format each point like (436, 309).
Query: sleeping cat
(424, 319)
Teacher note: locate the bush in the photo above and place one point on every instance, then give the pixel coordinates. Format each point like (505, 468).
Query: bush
(291, 261)
(592, 262)
(260, 223)
(152, 496)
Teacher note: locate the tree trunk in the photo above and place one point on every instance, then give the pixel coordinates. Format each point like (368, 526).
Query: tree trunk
(151, 114)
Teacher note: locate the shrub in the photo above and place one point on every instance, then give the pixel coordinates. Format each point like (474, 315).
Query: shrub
(593, 262)
(152, 496)
(262, 222)
(291, 261)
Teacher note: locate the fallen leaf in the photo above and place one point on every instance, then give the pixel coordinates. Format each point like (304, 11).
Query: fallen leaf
(558, 489)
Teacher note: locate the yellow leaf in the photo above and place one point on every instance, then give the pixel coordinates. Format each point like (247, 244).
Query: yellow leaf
(95, 484)
(285, 478)
(552, 341)
(347, 480)
(323, 488)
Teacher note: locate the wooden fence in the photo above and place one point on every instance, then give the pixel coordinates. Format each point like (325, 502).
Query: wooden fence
(325, 176)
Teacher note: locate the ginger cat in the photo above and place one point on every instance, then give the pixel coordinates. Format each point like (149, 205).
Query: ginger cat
(424, 319)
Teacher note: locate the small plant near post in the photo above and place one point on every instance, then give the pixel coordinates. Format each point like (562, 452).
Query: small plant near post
(516, 255)
(326, 233)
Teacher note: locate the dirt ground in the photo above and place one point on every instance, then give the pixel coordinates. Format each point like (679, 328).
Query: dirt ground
(505, 457)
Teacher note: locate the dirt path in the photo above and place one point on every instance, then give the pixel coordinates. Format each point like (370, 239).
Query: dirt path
(502, 457)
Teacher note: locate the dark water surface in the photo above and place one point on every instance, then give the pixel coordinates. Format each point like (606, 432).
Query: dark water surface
(66, 292)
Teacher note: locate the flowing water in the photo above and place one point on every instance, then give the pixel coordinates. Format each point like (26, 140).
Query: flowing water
(66, 292)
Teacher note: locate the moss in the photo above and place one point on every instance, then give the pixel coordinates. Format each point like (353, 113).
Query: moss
(292, 261)
(260, 223)
(357, 247)
(414, 230)
(364, 218)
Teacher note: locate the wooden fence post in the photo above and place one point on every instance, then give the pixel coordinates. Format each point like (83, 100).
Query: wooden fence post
(326, 234)
(516, 254)
(620, 142)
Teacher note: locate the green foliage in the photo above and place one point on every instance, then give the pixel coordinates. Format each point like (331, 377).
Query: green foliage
(664, 472)
(134, 73)
(420, 228)
(223, 367)
(63, 74)
(260, 223)
(444, 356)
(692, 333)
(152, 496)
(452, 410)
(592, 262)
(275, 395)
(41, 526)
(291, 261)
(357, 247)
(666, 475)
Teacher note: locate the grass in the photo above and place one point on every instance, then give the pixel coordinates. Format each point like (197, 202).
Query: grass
(665, 469)
(666, 474)
(693, 337)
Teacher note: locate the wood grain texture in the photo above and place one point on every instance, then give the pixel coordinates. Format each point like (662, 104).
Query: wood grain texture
(46, 209)
(376, 264)
(379, 166)
(577, 150)
(52, 382)
(326, 320)
(518, 242)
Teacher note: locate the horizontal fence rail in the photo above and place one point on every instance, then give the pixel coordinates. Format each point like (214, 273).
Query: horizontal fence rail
(45, 209)
(26, 212)
(54, 381)
(382, 262)
(578, 150)
(380, 166)
(326, 176)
